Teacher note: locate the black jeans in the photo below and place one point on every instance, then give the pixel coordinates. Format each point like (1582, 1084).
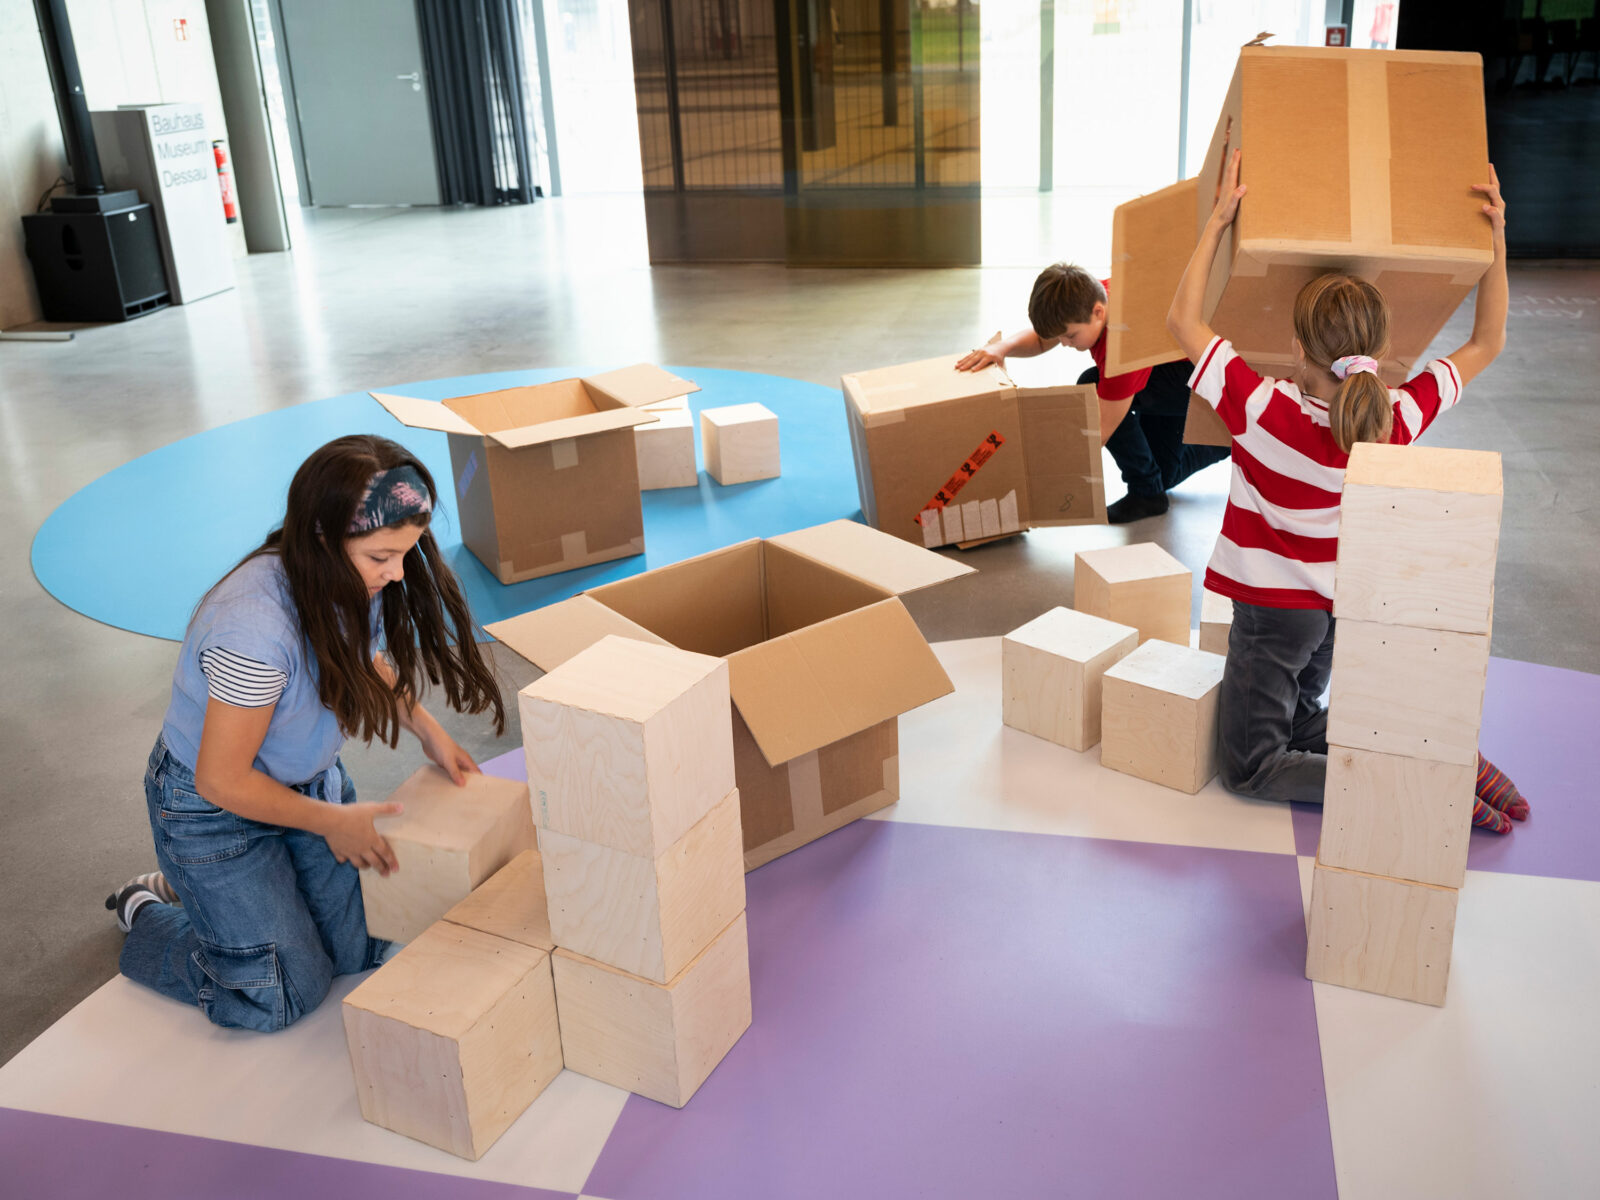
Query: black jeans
(1148, 446)
(1272, 726)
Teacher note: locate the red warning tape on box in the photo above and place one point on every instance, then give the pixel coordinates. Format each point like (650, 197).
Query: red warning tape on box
(964, 472)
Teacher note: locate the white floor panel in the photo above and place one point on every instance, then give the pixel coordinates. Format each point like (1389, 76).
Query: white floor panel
(1496, 1094)
(960, 766)
(129, 1056)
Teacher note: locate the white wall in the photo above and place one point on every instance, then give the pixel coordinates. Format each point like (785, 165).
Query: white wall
(31, 155)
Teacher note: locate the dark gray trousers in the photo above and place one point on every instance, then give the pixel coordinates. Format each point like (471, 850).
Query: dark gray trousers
(1273, 728)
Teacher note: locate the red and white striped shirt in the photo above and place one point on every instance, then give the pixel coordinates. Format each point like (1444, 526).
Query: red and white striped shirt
(1280, 533)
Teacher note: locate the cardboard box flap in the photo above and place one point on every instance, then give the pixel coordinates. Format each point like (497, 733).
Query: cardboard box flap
(888, 391)
(872, 556)
(1152, 239)
(807, 689)
(425, 414)
(641, 384)
(573, 427)
(548, 636)
(1061, 442)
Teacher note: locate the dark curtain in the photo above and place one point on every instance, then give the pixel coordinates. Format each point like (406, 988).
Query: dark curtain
(476, 71)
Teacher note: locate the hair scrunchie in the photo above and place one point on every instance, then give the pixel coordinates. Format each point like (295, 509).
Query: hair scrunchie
(391, 497)
(1353, 364)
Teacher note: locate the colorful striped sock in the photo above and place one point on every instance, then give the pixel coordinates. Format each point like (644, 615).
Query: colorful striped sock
(1498, 792)
(1488, 818)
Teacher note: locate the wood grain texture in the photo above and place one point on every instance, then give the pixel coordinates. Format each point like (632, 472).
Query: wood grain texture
(665, 449)
(1051, 671)
(1216, 622)
(740, 443)
(657, 1040)
(1380, 935)
(1407, 818)
(1159, 715)
(509, 904)
(1139, 585)
(648, 917)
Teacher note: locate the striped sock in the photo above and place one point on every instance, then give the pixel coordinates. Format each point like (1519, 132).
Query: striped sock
(1498, 792)
(131, 897)
(1488, 818)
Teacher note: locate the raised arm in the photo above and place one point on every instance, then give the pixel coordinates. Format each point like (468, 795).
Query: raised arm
(1494, 292)
(1183, 319)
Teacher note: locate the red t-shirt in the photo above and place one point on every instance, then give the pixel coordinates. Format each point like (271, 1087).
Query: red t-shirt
(1118, 387)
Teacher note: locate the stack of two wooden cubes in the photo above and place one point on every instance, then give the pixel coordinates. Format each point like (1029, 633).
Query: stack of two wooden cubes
(1414, 598)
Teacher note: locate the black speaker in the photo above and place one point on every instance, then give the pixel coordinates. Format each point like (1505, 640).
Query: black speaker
(97, 265)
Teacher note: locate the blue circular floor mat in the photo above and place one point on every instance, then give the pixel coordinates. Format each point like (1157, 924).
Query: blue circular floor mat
(139, 546)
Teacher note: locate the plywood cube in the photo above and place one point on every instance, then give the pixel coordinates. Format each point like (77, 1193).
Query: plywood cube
(1139, 585)
(1408, 818)
(657, 1040)
(1050, 673)
(1416, 693)
(1216, 621)
(740, 442)
(1159, 715)
(628, 744)
(510, 904)
(1418, 531)
(454, 1037)
(665, 448)
(448, 840)
(649, 917)
(1380, 935)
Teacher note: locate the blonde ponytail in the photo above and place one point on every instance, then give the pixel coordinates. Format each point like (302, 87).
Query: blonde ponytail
(1339, 316)
(1360, 411)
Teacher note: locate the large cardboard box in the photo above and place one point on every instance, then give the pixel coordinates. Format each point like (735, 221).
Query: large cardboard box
(546, 476)
(945, 456)
(1360, 161)
(822, 660)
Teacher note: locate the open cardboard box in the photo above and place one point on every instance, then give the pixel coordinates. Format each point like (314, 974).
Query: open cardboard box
(822, 659)
(546, 475)
(945, 456)
(1359, 161)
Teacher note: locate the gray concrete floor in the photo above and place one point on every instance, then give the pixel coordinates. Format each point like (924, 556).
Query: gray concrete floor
(377, 297)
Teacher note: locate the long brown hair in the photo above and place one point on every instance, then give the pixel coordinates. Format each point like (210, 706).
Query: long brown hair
(1340, 315)
(428, 629)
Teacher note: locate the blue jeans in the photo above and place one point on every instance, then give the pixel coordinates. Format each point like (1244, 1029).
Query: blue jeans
(1148, 446)
(268, 916)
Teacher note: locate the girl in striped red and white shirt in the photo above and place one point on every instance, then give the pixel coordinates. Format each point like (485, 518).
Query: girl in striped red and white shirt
(1291, 442)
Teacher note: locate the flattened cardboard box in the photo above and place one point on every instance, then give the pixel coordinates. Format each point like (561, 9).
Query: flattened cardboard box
(546, 476)
(945, 456)
(822, 660)
(1360, 161)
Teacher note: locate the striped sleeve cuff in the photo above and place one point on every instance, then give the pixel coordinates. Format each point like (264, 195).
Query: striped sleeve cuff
(240, 681)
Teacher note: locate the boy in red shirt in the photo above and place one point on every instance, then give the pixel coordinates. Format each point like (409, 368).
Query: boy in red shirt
(1141, 413)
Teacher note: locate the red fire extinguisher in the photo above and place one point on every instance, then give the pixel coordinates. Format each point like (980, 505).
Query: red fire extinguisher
(230, 205)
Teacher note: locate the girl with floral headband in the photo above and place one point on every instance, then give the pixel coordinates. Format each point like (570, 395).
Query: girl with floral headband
(257, 905)
(1291, 443)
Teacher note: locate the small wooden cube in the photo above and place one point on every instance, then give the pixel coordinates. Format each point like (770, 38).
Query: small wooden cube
(647, 917)
(1050, 673)
(1216, 622)
(628, 744)
(1407, 818)
(454, 1037)
(1416, 693)
(1139, 585)
(665, 448)
(1159, 715)
(1418, 531)
(510, 904)
(657, 1040)
(740, 443)
(1380, 935)
(448, 840)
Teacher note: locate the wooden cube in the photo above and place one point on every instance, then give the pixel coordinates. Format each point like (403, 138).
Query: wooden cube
(454, 1037)
(1416, 693)
(1050, 673)
(657, 1040)
(1139, 585)
(1380, 935)
(1216, 622)
(448, 840)
(665, 448)
(628, 744)
(510, 904)
(648, 917)
(1159, 715)
(740, 443)
(1418, 532)
(1407, 818)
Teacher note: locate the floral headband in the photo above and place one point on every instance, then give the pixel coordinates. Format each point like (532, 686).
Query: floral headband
(390, 498)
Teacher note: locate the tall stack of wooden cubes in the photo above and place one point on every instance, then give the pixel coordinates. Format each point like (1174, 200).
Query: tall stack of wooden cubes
(1414, 598)
(630, 768)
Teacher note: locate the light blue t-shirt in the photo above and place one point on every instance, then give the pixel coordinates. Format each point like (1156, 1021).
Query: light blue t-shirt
(252, 614)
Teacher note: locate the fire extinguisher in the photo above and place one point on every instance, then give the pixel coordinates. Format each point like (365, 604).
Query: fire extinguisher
(230, 204)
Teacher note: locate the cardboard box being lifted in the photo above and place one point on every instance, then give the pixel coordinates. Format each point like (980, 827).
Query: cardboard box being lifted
(946, 456)
(822, 660)
(546, 476)
(1359, 161)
